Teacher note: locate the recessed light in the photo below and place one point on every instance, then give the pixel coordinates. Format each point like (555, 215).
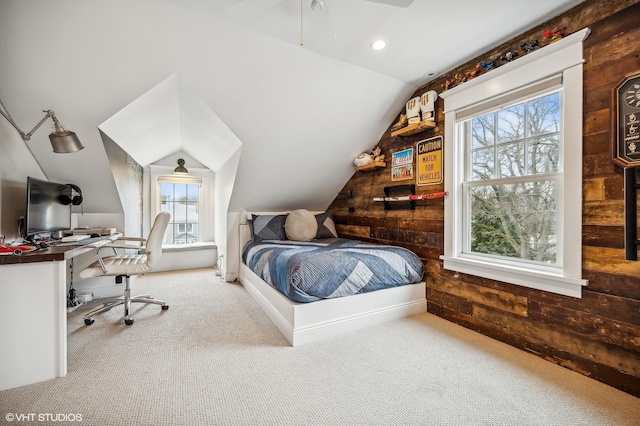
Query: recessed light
(378, 44)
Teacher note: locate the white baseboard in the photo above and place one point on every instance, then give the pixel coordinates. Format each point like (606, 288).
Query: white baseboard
(303, 323)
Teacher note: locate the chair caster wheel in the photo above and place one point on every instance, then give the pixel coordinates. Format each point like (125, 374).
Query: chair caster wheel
(165, 307)
(88, 321)
(128, 321)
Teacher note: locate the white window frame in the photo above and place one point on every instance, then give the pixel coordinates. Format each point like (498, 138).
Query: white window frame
(201, 176)
(539, 70)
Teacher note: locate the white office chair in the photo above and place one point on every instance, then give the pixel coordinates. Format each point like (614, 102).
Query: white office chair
(129, 265)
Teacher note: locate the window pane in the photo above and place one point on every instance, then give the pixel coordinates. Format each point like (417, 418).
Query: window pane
(515, 220)
(482, 131)
(511, 159)
(166, 191)
(511, 123)
(193, 192)
(543, 155)
(483, 164)
(182, 201)
(180, 190)
(543, 115)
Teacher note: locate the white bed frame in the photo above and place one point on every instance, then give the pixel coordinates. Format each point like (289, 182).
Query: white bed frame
(303, 323)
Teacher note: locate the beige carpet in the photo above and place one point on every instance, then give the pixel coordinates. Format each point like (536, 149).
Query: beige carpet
(214, 358)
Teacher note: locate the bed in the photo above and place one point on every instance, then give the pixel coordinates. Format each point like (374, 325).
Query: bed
(303, 314)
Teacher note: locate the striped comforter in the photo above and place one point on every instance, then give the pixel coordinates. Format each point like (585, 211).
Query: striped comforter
(333, 267)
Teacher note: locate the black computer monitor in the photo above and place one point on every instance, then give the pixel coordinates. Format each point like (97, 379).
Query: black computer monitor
(48, 207)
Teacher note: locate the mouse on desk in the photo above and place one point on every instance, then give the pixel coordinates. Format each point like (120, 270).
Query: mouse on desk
(95, 235)
(42, 245)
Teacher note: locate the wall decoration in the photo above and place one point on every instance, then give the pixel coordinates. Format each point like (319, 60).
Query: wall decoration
(554, 35)
(429, 161)
(509, 56)
(529, 47)
(625, 121)
(625, 152)
(402, 165)
(392, 192)
(427, 105)
(413, 110)
(469, 75)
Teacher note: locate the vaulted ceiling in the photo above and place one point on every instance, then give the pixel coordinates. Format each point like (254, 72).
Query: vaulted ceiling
(164, 75)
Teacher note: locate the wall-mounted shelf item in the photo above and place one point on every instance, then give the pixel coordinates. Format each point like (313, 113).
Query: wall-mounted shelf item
(372, 166)
(412, 129)
(414, 197)
(631, 187)
(402, 191)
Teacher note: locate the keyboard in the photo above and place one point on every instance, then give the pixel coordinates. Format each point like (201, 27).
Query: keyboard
(61, 243)
(75, 238)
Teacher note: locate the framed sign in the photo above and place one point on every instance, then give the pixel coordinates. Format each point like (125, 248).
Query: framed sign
(429, 161)
(402, 165)
(625, 121)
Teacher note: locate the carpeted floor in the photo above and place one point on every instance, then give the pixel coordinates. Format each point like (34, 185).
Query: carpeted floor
(214, 358)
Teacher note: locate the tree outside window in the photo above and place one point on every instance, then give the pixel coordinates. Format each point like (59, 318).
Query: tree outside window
(511, 180)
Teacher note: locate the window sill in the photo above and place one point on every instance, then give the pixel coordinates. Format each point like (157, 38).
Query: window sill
(168, 248)
(532, 279)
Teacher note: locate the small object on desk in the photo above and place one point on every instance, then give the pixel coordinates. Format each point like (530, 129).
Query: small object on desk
(75, 237)
(99, 231)
(17, 249)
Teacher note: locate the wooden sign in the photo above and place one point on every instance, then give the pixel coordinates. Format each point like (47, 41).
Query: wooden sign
(625, 122)
(429, 161)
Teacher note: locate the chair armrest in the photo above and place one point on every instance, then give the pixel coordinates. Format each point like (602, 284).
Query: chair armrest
(139, 249)
(132, 238)
(122, 246)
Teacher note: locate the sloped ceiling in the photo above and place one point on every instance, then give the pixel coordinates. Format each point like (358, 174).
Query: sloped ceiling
(428, 36)
(171, 118)
(300, 116)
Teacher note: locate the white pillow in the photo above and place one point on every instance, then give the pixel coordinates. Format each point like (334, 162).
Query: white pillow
(301, 225)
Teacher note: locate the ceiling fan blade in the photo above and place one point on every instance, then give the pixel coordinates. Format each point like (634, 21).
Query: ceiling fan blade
(242, 8)
(396, 3)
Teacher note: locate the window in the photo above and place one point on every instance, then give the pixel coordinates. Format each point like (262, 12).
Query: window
(181, 197)
(511, 180)
(190, 199)
(513, 164)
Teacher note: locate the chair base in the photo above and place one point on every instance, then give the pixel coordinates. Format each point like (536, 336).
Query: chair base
(125, 300)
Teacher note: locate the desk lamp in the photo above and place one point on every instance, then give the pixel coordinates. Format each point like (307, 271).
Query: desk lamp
(63, 141)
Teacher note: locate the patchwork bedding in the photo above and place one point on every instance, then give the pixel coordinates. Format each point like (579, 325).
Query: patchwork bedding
(332, 267)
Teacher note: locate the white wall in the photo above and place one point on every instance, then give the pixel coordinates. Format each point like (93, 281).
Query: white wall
(300, 117)
(298, 114)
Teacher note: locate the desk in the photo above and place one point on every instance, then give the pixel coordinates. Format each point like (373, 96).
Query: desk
(33, 313)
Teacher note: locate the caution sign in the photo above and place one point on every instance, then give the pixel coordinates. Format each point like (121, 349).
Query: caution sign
(429, 161)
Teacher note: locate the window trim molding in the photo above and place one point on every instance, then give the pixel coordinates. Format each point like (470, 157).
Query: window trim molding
(202, 177)
(564, 57)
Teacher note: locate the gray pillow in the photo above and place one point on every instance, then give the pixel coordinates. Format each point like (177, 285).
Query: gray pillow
(326, 226)
(301, 225)
(268, 227)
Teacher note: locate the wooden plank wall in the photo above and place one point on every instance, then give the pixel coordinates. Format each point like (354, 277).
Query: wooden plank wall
(598, 335)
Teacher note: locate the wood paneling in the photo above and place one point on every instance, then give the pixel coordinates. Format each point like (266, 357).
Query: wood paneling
(597, 335)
